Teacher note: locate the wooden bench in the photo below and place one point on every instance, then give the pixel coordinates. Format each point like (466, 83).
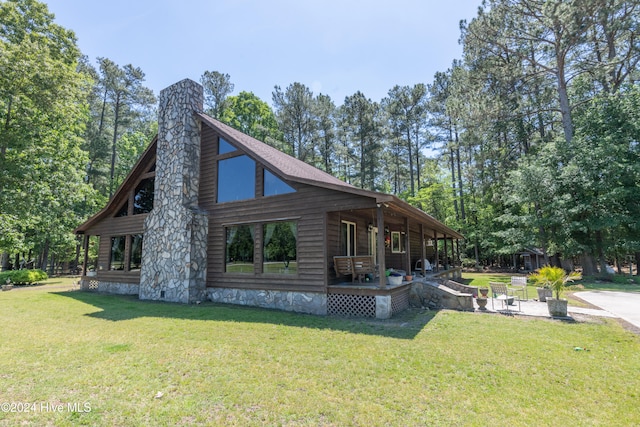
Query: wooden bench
(356, 266)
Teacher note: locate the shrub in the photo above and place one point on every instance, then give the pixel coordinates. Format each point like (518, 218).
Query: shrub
(23, 277)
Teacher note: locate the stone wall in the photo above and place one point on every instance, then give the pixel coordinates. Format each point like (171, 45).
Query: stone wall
(174, 253)
(433, 295)
(118, 288)
(460, 287)
(301, 302)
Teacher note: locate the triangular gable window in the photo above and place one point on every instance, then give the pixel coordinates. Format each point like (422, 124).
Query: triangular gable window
(123, 211)
(224, 147)
(274, 185)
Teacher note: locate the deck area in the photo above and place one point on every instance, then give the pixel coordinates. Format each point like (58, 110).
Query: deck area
(367, 299)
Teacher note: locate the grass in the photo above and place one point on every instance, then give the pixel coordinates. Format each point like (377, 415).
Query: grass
(139, 363)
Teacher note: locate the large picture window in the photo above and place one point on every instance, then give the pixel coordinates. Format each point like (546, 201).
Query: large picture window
(280, 252)
(239, 249)
(135, 259)
(116, 260)
(236, 179)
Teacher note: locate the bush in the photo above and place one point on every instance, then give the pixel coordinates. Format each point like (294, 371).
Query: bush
(23, 277)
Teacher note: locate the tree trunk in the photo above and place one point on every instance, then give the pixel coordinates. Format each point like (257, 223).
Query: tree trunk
(463, 215)
(411, 177)
(600, 251)
(588, 265)
(45, 256)
(563, 97)
(453, 184)
(113, 145)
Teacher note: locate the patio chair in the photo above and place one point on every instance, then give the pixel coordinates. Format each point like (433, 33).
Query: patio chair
(500, 292)
(519, 284)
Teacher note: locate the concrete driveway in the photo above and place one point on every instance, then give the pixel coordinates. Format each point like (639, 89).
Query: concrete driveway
(625, 305)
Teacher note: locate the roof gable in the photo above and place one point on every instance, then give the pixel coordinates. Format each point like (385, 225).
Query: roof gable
(287, 166)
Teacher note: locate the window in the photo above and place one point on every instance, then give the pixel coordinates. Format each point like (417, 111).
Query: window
(116, 260)
(143, 196)
(397, 242)
(236, 179)
(239, 249)
(124, 210)
(92, 253)
(348, 238)
(135, 259)
(274, 185)
(280, 248)
(224, 147)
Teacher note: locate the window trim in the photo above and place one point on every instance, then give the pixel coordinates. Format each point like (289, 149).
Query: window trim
(258, 247)
(400, 247)
(348, 243)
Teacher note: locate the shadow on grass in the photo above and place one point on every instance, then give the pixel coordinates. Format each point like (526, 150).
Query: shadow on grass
(405, 325)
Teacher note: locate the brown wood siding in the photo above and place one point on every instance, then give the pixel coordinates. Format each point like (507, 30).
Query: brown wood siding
(308, 207)
(110, 227)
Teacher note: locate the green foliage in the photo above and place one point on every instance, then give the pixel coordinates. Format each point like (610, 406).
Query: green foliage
(42, 110)
(249, 114)
(23, 277)
(554, 278)
(217, 87)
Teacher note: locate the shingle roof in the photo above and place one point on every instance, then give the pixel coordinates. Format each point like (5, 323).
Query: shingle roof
(289, 167)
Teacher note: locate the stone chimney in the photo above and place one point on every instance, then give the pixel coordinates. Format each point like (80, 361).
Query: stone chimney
(174, 252)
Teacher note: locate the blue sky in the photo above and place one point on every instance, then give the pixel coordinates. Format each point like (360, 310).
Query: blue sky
(335, 47)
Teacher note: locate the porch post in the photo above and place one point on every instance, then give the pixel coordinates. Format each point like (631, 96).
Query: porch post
(407, 246)
(423, 253)
(380, 243)
(86, 255)
(435, 247)
(446, 253)
(458, 252)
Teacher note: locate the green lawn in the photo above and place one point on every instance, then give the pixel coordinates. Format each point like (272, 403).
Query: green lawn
(229, 365)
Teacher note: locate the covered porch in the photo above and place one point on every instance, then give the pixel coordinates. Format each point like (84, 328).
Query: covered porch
(398, 239)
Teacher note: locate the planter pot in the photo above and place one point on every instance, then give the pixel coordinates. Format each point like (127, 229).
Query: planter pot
(408, 278)
(482, 303)
(394, 280)
(484, 292)
(557, 307)
(544, 293)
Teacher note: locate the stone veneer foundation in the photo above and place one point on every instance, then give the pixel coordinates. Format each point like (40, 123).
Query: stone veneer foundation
(175, 237)
(301, 302)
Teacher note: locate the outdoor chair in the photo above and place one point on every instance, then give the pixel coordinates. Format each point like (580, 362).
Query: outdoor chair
(519, 284)
(500, 292)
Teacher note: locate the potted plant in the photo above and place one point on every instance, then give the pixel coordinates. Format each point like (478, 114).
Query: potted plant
(556, 279)
(482, 302)
(544, 292)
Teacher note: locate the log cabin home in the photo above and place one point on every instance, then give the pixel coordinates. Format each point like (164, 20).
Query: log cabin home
(211, 214)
